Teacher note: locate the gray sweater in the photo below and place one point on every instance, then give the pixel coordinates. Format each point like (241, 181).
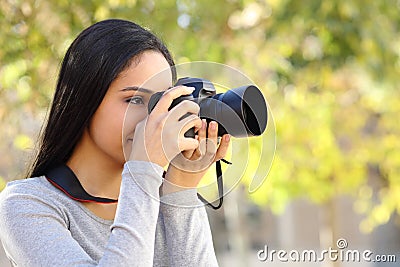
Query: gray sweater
(41, 226)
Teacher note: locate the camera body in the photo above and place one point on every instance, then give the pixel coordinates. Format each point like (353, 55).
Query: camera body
(241, 112)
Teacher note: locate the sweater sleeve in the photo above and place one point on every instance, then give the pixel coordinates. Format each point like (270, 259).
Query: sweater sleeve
(187, 230)
(34, 233)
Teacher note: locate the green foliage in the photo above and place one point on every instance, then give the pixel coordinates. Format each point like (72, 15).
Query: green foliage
(329, 70)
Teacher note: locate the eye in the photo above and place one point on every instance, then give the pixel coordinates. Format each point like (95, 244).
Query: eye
(136, 100)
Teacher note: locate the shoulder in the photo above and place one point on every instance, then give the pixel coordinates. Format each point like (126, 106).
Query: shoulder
(30, 197)
(37, 187)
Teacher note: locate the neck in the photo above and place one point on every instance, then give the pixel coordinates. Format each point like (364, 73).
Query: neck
(99, 174)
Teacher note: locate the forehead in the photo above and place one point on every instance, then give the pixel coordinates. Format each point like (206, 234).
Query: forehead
(149, 70)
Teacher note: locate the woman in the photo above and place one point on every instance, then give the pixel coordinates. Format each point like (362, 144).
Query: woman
(44, 223)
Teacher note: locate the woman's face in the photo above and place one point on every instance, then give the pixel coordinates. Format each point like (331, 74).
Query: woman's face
(125, 104)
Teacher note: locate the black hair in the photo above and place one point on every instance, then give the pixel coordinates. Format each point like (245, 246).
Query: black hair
(92, 62)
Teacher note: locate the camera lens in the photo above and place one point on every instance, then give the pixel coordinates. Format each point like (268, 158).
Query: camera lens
(242, 111)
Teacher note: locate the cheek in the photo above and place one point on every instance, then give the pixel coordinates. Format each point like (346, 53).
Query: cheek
(132, 117)
(106, 126)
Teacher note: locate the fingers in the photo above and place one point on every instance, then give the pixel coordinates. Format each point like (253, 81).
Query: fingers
(223, 147)
(202, 135)
(212, 149)
(189, 122)
(166, 100)
(188, 154)
(207, 151)
(211, 146)
(183, 108)
(187, 143)
(208, 147)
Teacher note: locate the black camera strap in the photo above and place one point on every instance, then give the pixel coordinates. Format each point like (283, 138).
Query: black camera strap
(220, 184)
(63, 178)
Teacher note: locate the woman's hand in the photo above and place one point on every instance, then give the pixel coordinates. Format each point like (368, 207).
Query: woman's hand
(160, 137)
(189, 167)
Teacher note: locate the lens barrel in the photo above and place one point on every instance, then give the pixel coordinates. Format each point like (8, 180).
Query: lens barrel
(242, 111)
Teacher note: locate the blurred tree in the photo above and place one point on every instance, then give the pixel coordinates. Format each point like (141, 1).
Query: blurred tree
(329, 70)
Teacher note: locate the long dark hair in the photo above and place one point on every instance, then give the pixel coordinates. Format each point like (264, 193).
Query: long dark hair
(92, 62)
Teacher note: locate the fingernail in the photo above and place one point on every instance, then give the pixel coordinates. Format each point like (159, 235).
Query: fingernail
(227, 137)
(213, 125)
(203, 124)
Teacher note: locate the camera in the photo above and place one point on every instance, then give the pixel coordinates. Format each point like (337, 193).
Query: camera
(240, 112)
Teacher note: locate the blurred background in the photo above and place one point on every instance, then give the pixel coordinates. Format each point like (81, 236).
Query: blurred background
(329, 71)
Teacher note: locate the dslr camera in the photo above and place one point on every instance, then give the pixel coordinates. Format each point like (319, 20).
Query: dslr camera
(240, 112)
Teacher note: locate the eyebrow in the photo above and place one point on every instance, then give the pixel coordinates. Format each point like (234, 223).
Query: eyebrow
(137, 88)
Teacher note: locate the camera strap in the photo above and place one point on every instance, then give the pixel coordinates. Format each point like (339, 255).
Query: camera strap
(220, 184)
(63, 178)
